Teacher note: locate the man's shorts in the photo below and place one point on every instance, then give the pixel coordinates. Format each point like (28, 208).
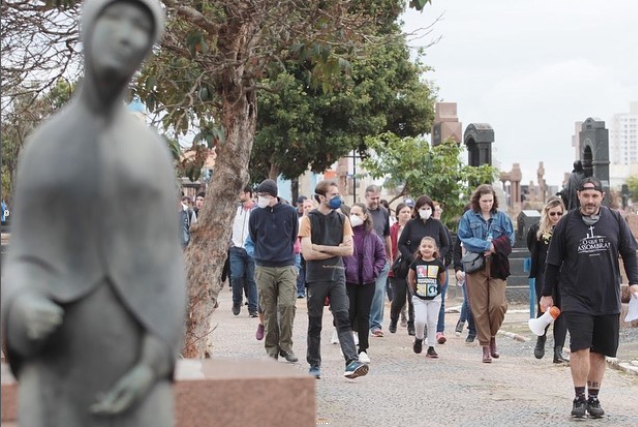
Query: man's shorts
(599, 334)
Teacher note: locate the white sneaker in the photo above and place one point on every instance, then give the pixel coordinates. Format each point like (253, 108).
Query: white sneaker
(355, 336)
(335, 338)
(364, 358)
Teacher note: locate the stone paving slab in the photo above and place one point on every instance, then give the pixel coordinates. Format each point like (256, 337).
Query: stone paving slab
(405, 389)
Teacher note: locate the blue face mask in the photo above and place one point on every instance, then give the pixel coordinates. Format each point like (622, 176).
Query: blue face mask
(335, 203)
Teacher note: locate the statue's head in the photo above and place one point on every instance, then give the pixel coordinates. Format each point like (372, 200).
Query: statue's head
(118, 34)
(578, 166)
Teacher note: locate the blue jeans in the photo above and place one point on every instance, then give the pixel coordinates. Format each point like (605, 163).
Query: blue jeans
(378, 301)
(242, 272)
(466, 313)
(440, 326)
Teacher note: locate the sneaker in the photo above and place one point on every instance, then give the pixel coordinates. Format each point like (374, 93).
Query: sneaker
(289, 356)
(579, 407)
(335, 338)
(236, 310)
(377, 333)
(364, 358)
(470, 338)
(315, 371)
(459, 328)
(411, 330)
(440, 338)
(356, 369)
(252, 314)
(593, 408)
(300, 296)
(260, 332)
(417, 346)
(432, 353)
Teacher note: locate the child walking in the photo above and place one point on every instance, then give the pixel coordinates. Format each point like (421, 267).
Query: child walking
(425, 278)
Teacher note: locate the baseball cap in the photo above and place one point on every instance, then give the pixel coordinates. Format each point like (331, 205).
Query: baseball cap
(590, 183)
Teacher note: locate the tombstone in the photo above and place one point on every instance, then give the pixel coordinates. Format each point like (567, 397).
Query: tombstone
(478, 139)
(525, 220)
(446, 123)
(594, 152)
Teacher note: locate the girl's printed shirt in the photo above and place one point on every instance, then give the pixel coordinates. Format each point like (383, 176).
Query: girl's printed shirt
(427, 277)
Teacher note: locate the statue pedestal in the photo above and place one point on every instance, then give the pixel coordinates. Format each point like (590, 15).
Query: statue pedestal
(215, 392)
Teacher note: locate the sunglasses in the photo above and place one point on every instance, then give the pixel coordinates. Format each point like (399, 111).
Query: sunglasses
(555, 213)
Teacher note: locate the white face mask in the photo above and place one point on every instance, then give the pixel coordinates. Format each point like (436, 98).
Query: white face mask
(263, 202)
(355, 220)
(425, 213)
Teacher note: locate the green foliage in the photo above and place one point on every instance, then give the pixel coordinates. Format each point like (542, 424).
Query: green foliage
(300, 127)
(413, 167)
(632, 184)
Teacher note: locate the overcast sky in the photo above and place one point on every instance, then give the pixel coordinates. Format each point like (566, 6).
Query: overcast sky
(531, 68)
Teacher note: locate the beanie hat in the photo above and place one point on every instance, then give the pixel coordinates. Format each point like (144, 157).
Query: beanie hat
(268, 186)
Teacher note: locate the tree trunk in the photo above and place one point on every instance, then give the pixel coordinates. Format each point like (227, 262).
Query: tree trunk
(211, 233)
(273, 173)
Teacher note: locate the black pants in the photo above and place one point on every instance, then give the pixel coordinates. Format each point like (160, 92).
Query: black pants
(400, 287)
(560, 324)
(339, 303)
(360, 297)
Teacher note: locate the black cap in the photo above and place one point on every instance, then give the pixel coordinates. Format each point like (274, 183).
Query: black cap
(268, 186)
(590, 183)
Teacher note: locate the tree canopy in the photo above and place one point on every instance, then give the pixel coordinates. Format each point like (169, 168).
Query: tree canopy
(415, 168)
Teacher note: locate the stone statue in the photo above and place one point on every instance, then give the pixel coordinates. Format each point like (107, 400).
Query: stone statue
(93, 296)
(569, 194)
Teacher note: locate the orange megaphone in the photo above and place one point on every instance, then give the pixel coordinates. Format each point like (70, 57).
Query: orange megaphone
(538, 325)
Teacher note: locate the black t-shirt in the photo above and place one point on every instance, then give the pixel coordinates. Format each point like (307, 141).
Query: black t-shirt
(588, 258)
(427, 277)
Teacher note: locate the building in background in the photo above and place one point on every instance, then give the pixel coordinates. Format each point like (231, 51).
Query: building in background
(623, 145)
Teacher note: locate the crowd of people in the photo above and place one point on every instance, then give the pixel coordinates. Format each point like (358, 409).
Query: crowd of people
(351, 258)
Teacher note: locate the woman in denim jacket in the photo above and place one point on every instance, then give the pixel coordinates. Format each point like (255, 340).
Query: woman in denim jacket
(483, 229)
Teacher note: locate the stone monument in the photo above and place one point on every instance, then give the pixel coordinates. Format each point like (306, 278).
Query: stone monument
(478, 139)
(93, 293)
(594, 152)
(446, 123)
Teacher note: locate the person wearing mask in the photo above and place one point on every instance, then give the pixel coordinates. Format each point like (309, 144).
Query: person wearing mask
(538, 240)
(399, 284)
(421, 225)
(485, 230)
(273, 229)
(326, 237)
(362, 268)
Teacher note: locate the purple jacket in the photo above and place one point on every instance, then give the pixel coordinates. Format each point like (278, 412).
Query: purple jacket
(374, 259)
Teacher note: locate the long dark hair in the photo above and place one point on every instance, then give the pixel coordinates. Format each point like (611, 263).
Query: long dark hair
(367, 223)
(481, 190)
(420, 202)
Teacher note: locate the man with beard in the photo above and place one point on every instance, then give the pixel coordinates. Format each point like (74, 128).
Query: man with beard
(584, 250)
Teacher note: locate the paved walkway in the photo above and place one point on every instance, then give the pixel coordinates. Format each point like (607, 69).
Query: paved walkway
(408, 390)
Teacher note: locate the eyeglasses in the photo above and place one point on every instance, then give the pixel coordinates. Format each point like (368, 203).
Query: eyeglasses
(555, 213)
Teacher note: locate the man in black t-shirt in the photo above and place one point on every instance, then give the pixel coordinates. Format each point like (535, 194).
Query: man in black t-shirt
(584, 250)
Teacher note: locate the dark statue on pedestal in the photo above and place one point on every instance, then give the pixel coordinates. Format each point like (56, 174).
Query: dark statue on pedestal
(569, 194)
(93, 294)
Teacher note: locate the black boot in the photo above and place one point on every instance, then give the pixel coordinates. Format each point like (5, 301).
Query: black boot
(558, 355)
(539, 350)
(393, 325)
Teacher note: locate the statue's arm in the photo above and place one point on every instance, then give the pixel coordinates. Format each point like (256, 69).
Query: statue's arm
(155, 363)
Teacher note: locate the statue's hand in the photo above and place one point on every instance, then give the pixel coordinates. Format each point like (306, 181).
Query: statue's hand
(40, 315)
(128, 390)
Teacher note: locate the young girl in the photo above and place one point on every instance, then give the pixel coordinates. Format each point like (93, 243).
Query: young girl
(427, 275)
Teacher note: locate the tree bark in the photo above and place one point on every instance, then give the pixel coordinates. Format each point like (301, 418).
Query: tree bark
(211, 234)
